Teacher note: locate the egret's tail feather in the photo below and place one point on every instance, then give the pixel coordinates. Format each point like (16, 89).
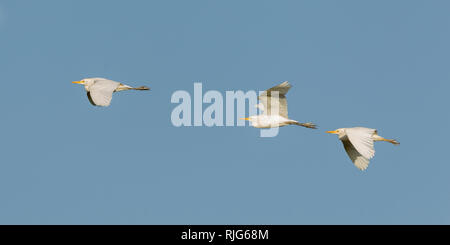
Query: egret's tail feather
(306, 125)
(142, 88)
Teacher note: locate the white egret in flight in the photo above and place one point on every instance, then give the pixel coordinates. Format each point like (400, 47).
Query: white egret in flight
(358, 143)
(274, 107)
(100, 90)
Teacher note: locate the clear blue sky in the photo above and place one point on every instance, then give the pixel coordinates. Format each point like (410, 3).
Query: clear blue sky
(379, 64)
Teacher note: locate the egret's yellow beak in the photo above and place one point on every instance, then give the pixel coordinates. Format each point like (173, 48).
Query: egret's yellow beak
(332, 132)
(246, 118)
(79, 82)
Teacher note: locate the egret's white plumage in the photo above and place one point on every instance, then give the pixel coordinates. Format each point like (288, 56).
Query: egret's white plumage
(274, 109)
(358, 143)
(100, 90)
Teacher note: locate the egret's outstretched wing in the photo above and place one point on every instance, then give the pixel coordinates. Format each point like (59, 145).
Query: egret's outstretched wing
(100, 93)
(359, 160)
(268, 99)
(362, 140)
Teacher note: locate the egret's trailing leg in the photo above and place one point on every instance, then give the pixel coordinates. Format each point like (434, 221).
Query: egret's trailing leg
(142, 88)
(306, 125)
(379, 138)
(123, 87)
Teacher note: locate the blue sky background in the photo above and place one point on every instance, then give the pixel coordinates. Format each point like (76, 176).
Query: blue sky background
(379, 64)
